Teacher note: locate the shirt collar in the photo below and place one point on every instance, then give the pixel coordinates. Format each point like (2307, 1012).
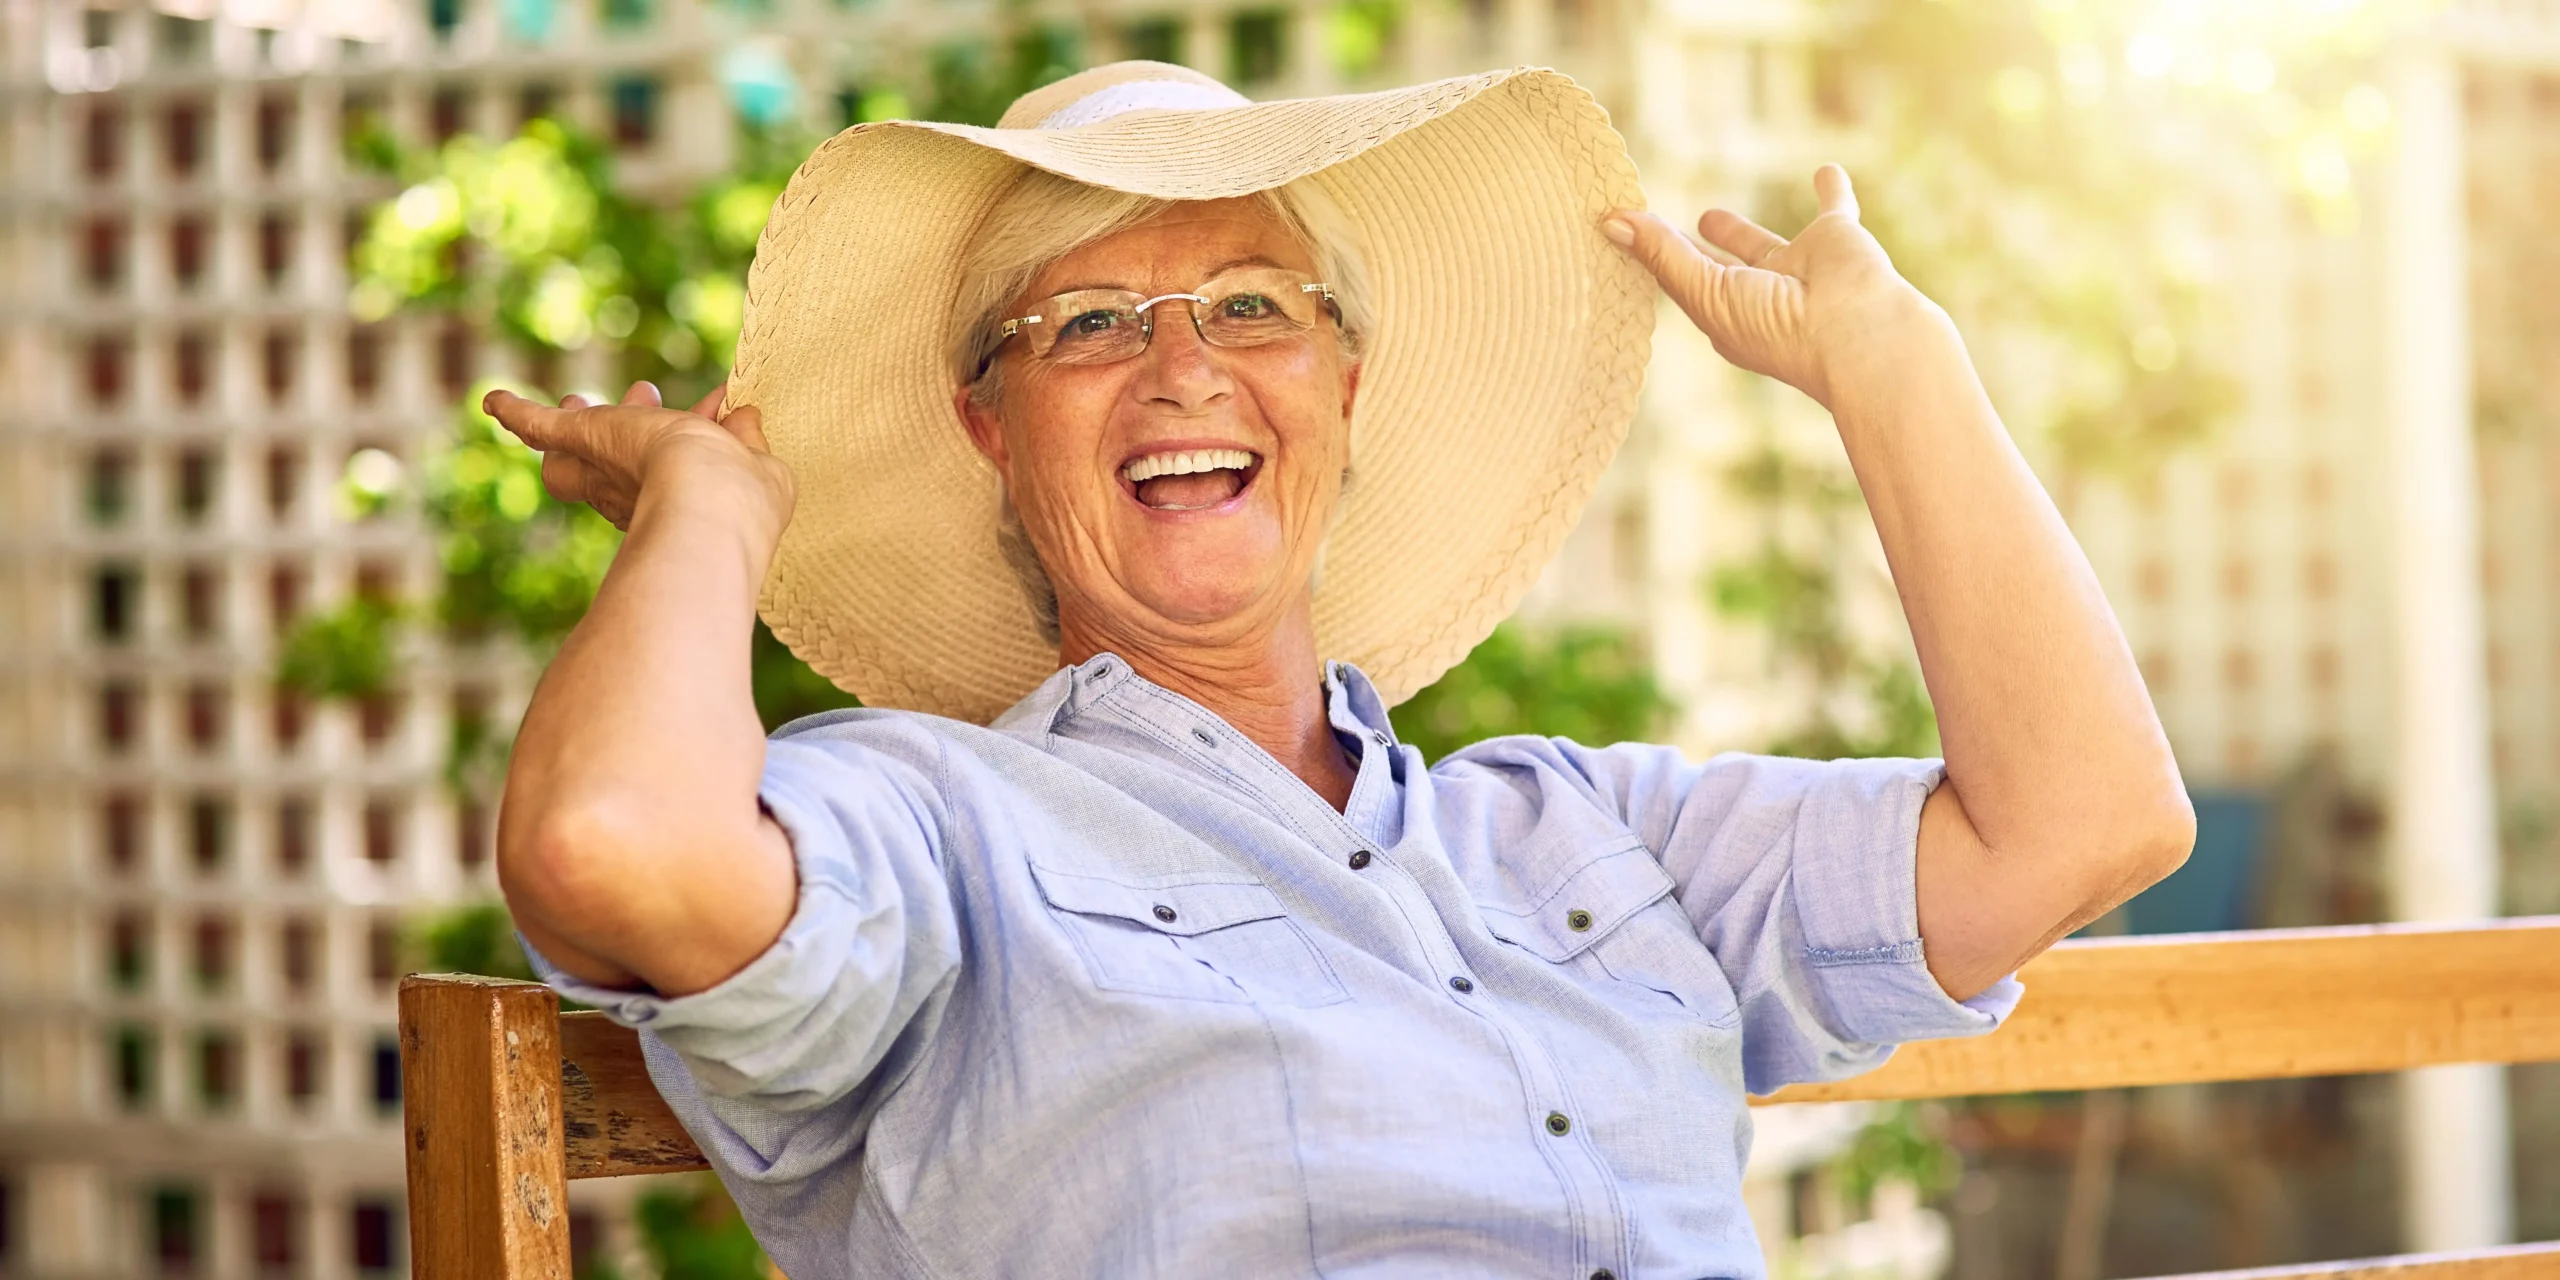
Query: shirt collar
(1355, 708)
(1352, 703)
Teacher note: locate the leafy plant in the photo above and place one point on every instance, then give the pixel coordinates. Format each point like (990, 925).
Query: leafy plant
(532, 234)
(692, 1228)
(477, 938)
(1902, 1142)
(343, 653)
(1584, 682)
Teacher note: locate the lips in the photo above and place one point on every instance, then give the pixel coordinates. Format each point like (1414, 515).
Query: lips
(1189, 479)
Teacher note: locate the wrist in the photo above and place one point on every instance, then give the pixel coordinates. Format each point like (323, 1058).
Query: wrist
(1887, 352)
(701, 469)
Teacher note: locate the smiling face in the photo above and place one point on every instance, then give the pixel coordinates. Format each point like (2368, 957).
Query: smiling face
(1179, 496)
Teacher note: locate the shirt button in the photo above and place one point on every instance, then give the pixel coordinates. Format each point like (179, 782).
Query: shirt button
(1578, 920)
(1604, 1274)
(1462, 984)
(1360, 860)
(1164, 913)
(1557, 1124)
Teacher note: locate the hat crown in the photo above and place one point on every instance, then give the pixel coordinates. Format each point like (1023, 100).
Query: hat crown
(1096, 95)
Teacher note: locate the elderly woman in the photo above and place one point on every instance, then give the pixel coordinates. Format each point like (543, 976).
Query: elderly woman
(1198, 433)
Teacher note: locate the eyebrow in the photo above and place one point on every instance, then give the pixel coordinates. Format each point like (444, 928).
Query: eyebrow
(1256, 260)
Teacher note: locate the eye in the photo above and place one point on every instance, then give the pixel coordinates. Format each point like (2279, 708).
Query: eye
(1248, 306)
(1091, 322)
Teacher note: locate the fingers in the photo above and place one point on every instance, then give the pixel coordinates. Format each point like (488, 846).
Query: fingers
(537, 424)
(566, 476)
(709, 406)
(1832, 193)
(747, 423)
(643, 392)
(1658, 248)
(1686, 273)
(1740, 236)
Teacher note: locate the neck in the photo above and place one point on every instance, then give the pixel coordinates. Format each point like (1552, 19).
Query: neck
(1266, 688)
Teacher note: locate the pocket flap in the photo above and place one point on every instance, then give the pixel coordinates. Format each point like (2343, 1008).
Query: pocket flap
(1181, 905)
(1593, 899)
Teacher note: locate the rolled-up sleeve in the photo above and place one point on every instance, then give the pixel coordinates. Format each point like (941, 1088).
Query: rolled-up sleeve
(871, 941)
(1801, 877)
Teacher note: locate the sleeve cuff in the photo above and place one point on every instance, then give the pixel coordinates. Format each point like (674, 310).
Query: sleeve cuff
(1857, 895)
(768, 987)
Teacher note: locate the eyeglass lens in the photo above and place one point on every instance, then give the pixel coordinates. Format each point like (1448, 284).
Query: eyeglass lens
(1244, 309)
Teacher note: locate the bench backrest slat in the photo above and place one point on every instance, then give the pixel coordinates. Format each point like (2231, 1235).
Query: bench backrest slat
(613, 1118)
(507, 1098)
(2115, 1012)
(2511, 1262)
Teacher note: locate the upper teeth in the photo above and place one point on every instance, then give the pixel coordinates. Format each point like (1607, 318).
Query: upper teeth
(1185, 463)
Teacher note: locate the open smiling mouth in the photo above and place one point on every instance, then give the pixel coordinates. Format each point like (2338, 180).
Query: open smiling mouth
(1189, 479)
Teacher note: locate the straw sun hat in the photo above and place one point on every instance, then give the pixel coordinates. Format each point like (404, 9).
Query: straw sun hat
(1509, 345)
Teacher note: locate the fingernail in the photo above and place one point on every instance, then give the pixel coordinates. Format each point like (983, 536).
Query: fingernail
(1620, 232)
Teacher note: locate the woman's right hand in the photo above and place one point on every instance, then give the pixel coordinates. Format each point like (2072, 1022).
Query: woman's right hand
(606, 455)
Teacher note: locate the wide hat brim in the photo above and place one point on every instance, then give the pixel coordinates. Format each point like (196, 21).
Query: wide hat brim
(1509, 349)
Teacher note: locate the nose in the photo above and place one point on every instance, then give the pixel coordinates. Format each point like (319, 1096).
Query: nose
(1178, 369)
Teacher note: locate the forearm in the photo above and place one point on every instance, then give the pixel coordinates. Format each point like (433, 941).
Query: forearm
(2057, 766)
(630, 841)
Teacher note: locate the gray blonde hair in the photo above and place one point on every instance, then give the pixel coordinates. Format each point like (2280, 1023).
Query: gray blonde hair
(1043, 217)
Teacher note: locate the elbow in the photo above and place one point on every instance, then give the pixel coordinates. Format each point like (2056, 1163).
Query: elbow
(573, 865)
(2155, 842)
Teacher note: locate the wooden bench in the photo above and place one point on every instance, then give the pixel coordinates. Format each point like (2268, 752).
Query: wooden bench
(507, 1098)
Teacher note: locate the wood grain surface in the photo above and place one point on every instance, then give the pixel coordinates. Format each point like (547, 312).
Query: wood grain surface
(480, 1103)
(2266, 1005)
(2514, 1262)
(615, 1121)
(507, 1097)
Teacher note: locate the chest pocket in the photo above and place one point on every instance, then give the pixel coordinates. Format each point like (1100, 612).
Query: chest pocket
(1611, 919)
(1213, 936)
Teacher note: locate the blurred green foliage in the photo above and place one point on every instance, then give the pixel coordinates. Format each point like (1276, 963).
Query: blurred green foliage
(1901, 1142)
(530, 236)
(1585, 682)
(692, 1229)
(2043, 180)
(478, 938)
(514, 561)
(972, 81)
(1863, 701)
(1360, 34)
(344, 653)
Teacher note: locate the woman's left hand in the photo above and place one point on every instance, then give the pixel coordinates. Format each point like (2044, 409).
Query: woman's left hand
(1812, 312)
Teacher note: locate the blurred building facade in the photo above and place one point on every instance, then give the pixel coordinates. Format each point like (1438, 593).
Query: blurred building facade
(198, 1071)
(204, 879)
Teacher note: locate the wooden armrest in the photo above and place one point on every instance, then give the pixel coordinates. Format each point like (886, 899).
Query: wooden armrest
(2113, 1012)
(2514, 1262)
(615, 1121)
(506, 1098)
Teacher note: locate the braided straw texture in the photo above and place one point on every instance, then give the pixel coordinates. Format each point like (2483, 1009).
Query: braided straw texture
(1511, 345)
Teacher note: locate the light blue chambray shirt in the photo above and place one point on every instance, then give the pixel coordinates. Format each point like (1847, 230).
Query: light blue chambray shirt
(1103, 991)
